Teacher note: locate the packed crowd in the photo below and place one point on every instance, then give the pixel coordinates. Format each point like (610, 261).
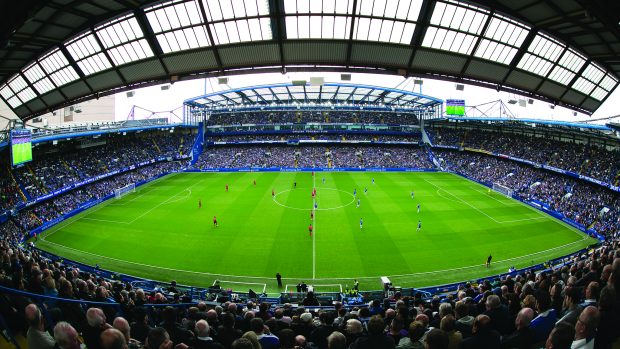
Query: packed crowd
(582, 202)
(58, 166)
(412, 138)
(313, 156)
(36, 215)
(584, 159)
(575, 304)
(272, 117)
(10, 195)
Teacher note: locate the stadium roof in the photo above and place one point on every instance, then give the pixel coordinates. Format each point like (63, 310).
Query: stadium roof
(57, 52)
(328, 94)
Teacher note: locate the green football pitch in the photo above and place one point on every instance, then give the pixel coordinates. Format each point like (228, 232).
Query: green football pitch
(160, 232)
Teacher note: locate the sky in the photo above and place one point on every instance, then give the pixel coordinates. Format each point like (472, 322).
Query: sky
(154, 99)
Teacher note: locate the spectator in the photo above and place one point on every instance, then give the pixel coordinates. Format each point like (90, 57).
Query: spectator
(37, 337)
(585, 328)
(96, 325)
(336, 340)
(202, 339)
(376, 339)
(66, 336)
(523, 336)
(112, 338)
(436, 339)
(483, 336)
(561, 337)
(266, 339)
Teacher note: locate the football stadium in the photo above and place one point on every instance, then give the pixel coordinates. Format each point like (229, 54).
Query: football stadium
(309, 174)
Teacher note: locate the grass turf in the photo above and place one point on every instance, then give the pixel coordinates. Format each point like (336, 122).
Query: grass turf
(160, 233)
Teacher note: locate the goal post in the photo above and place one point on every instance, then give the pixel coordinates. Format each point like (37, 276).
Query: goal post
(503, 189)
(120, 192)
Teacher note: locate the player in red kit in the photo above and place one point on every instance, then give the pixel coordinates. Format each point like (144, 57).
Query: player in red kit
(227, 187)
(310, 230)
(215, 221)
(255, 182)
(312, 214)
(199, 203)
(273, 193)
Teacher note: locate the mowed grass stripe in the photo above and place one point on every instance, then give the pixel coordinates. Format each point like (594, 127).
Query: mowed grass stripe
(258, 237)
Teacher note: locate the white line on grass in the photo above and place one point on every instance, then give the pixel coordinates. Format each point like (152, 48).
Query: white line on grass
(242, 283)
(491, 197)
(263, 278)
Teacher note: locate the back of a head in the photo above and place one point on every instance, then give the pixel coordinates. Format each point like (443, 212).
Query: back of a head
(257, 325)
(375, 325)
(253, 338)
(228, 320)
(336, 340)
(482, 323)
(445, 309)
(416, 331)
(156, 338)
(94, 316)
(461, 309)
(287, 338)
(113, 339)
(66, 336)
(242, 343)
(202, 328)
(122, 325)
(448, 323)
(33, 315)
(436, 339)
(493, 302)
(561, 337)
(354, 326)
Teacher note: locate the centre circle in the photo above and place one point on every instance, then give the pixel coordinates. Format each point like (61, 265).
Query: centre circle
(301, 199)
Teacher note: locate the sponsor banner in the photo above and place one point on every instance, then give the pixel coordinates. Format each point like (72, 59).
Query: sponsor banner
(445, 146)
(478, 151)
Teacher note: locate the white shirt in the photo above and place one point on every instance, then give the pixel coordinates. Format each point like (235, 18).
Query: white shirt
(582, 344)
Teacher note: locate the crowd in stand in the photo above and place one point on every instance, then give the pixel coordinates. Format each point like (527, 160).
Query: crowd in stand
(584, 159)
(573, 305)
(36, 215)
(412, 138)
(580, 201)
(273, 117)
(313, 156)
(58, 166)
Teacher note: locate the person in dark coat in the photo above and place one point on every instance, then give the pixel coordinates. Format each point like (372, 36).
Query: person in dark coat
(482, 335)
(376, 339)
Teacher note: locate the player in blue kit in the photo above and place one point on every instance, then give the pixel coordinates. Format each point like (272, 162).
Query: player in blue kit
(419, 225)
(361, 223)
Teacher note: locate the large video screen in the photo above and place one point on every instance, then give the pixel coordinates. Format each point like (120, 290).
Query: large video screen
(21, 146)
(455, 107)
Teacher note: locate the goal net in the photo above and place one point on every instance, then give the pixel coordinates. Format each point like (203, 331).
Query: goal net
(502, 189)
(120, 192)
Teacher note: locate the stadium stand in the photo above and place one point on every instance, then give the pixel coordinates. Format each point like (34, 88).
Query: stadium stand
(302, 117)
(579, 158)
(521, 306)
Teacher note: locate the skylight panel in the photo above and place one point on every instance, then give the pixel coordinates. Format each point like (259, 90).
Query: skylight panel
(38, 78)
(535, 64)
(457, 17)
(546, 47)
(572, 61)
(87, 53)
(599, 94)
(17, 83)
(57, 67)
(593, 73)
(5, 92)
(14, 102)
(448, 40)
(608, 82)
(178, 27)
(26, 94)
(561, 75)
(124, 40)
(231, 22)
(583, 85)
(495, 51)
